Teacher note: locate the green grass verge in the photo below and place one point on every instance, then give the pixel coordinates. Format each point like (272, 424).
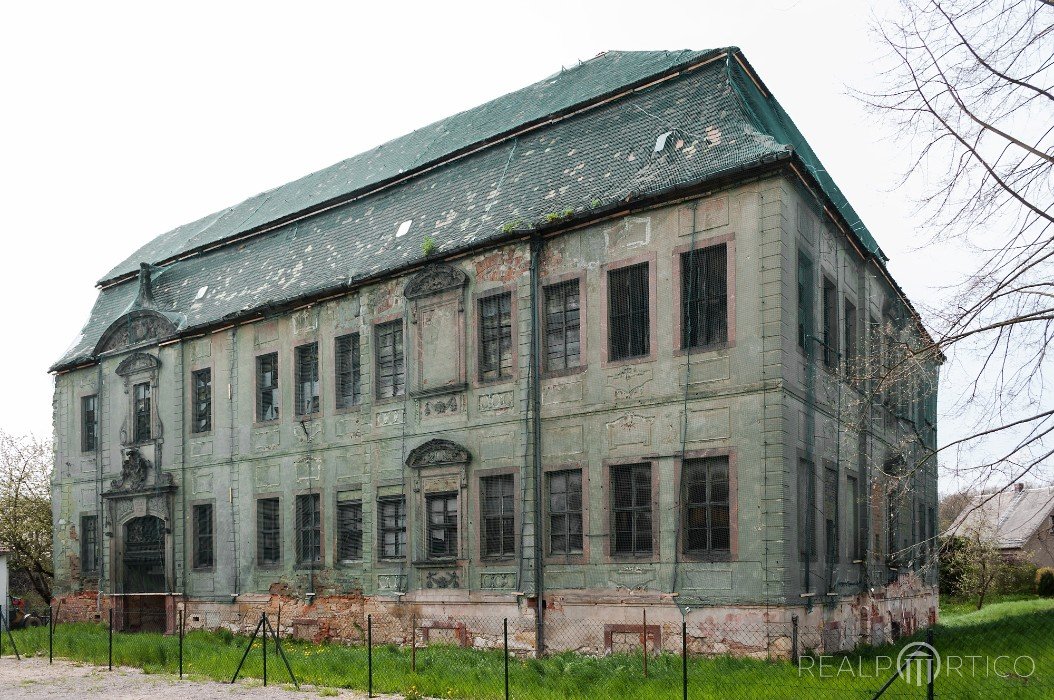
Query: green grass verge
(1009, 629)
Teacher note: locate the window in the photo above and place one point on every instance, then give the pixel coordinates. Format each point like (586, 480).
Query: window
(308, 529)
(629, 332)
(562, 326)
(201, 421)
(495, 337)
(804, 300)
(392, 527)
(499, 516)
(830, 511)
(874, 333)
(391, 373)
(267, 387)
(268, 532)
(349, 530)
(631, 509)
(852, 516)
(704, 297)
(565, 512)
(849, 339)
(442, 525)
(307, 379)
(141, 394)
(204, 557)
(830, 324)
(707, 516)
(349, 382)
(89, 544)
(89, 423)
(806, 511)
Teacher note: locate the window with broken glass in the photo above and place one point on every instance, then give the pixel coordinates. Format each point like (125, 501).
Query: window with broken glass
(204, 557)
(629, 330)
(707, 510)
(201, 381)
(307, 401)
(442, 525)
(562, 326)
(89, 422)
(499, 516)
(631, 509)
(348, 370)
(391, 372)
(704, 297)
(308, 529)
(141, 401)
(89, 544)
(495, 337)
(267, 387)
(268, 532)
(565, 512)
(349, 531)
(392, 530)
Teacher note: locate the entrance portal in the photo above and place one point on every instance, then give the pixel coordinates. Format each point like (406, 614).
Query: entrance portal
(144, 573)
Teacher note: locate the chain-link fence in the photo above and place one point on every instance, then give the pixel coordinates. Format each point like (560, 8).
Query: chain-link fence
(492, 657)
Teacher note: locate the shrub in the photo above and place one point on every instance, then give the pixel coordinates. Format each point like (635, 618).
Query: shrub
(1045, 582)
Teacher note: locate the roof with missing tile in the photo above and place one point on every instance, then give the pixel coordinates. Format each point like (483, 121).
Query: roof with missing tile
(622, 127)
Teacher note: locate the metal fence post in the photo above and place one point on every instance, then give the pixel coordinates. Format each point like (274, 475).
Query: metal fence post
(505, 632)
(794, 638)
(3, 625)
(51, 634)
(264, 623)
(684, 657)
(644, 639)
(369, 656)
(930, 665)
(180, 645)
(413, 642)
(109, 645)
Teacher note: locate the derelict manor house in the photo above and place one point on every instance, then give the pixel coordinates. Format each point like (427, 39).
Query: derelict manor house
(613, 340)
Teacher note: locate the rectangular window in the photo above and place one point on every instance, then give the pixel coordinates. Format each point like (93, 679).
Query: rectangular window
(830, 512)
(442, 525)
(849, 340)
(391, 372)
(89, 423)
(349, 530)
(268, 532)
(308, 529)
(830, 324)
(707, 513)
(852, 517)
(349, 382)
(563, 326)
(631, 509)
(495, 337)
(201, 381)
(392, 522)
(499, 516)
(704, 297)
(629, 331)
(804, 300)
(307, 379)
(89, 544)
(874, 364)
(267, 387)
(141, 394)
(204, 557)
(565, 512)
(806, 511)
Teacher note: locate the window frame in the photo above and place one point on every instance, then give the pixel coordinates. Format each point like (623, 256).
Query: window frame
(382, 530)
(805, 278)
(274, 388)
(354, 372)
(543, 323)
(87, 541)
(482, 515)
(142, 413)
(446, 527)
(197, 536)
(258, 531)
(609, 512)
(340, 532)
(806, 515)
(832, 478)
(94, 424)
(854, 517)
(195, 416)
(829, 323)
(300, 530)
(480, 299)
(676, 261)
(568, 556)
(379, 326)
(299, 353)
(682, 467)
(605, 317)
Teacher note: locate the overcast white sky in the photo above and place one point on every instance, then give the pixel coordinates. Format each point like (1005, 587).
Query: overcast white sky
(120, 121)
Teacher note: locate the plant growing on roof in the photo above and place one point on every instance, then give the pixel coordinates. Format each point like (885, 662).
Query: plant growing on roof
(428, 246)
(511, 226)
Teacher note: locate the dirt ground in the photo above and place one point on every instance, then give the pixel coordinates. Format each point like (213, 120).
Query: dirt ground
(35, 679)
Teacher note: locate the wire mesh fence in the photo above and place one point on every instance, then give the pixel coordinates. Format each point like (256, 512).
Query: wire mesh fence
(492, 657)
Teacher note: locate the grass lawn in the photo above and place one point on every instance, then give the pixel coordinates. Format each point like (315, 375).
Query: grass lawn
(1010, 629)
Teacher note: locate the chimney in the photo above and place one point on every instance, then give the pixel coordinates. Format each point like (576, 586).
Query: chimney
(1019, 487)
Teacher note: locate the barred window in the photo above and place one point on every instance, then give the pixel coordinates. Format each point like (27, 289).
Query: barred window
(267, 387)
(392, 523)
(704, 297)
(562, 326)
(204, 557)
(391, 372)
(349, 530)
(349, 382)
(141, 425)
(499, 516)
(308, 529)
(442, 525)
(307, 379)
(849, 339)
(707, 512)
(629, 330)
(89, 423)
(631, 509)
(830, 511)
(852, 516)
(495, 337)
(201, 421)
(89, 544)
(804, 300)
(806, 511)
(830, 324)
(565, 512)
(268, 531)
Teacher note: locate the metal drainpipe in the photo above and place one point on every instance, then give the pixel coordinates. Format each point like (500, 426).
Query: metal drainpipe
(183, 462)
(100, 528)
(537, 244)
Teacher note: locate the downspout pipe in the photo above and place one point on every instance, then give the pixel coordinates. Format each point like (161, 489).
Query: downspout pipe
(537, 244)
